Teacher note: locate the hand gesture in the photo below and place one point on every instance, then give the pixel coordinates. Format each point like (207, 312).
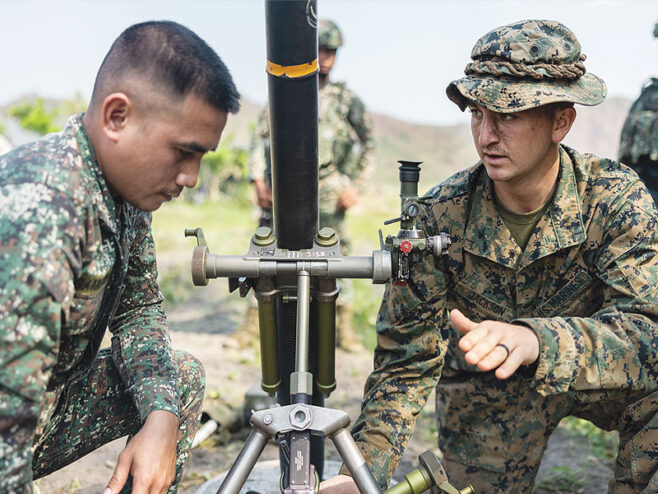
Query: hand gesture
(496, 345)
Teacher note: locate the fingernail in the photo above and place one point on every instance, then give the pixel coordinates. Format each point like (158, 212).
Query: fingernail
(107, 491)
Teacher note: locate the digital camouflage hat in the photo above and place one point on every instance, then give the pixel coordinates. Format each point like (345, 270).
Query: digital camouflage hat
(329, 35)
(524, 65)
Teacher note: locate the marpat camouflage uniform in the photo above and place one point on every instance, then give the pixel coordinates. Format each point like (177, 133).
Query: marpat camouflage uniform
(639, 137)
(586, 283)
(73, 262)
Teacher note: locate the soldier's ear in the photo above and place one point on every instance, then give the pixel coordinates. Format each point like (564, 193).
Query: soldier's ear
(116, 111)
(562, 122)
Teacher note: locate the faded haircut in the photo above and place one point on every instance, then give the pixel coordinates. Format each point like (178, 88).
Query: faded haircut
(170, 57)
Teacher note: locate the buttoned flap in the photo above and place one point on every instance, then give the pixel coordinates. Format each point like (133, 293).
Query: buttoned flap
(579, 294)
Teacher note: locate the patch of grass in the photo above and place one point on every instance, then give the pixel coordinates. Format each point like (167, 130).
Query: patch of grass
(367, 298)
(227, 225)
(563, 480)
(603, 444)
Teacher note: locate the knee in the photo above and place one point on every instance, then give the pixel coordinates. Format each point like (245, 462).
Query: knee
(191, 375)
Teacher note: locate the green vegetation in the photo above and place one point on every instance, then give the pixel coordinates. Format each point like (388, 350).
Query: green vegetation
(562, 480)
(34, 117)
(42, 118)
(222, 175)
(603, 444)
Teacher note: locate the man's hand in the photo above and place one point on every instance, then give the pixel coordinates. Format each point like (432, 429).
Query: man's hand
(348, 198)
(150, 456)
(485, 344)
(263, 193)
(340, 484)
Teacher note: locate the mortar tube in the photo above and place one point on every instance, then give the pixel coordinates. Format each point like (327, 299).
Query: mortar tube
(292, 52)
(292, 67)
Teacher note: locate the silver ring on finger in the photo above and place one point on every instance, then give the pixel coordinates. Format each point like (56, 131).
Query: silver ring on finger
(504, 347)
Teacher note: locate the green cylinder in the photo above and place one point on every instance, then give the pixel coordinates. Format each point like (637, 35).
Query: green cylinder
(414, 482)
(408, 189)
(326, 381)
(269, 350)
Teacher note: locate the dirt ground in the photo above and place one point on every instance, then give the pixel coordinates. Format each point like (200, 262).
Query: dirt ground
(206, 327)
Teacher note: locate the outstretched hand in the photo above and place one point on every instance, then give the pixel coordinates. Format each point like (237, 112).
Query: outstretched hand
(150, 456)
(496, 345)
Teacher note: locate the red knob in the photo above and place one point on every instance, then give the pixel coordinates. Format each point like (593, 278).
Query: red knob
(406, 246)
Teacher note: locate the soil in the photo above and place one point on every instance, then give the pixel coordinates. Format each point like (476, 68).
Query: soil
(206, 326)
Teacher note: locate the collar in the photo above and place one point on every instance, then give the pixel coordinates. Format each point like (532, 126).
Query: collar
(561, 226)
(108, 209)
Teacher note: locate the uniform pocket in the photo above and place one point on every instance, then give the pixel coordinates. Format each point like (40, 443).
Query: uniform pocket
(579, 295)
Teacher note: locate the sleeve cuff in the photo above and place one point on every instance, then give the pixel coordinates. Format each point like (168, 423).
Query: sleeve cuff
(557, 354)
(156, 395)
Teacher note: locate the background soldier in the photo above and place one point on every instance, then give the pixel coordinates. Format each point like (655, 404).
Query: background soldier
(77, 256)
(639, 137)
(345, 160)
(551, 279)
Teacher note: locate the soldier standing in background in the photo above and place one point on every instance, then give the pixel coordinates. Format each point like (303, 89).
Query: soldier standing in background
(77, 257)
(345, 161)
(547, 302)
(639, 137)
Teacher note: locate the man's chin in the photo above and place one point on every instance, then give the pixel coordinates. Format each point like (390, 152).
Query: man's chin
(149, 205)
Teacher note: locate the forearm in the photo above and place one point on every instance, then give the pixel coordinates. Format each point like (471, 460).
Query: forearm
(141, 350)
(608, 351)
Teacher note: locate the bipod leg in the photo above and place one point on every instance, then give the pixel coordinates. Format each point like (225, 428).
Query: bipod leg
(355, 463)
(244, 464)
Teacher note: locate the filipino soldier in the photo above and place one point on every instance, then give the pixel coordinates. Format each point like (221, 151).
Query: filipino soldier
(345, 162)
(77, 257)
(639, 137)
(546, 304)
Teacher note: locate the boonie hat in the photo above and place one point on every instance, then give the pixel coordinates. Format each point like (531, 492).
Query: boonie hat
(524, 65)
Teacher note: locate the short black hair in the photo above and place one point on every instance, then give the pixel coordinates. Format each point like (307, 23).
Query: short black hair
(171, 56)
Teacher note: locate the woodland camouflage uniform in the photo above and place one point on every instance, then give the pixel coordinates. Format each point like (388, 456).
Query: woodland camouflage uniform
(73, 261)
(586, 283)
(639, 137)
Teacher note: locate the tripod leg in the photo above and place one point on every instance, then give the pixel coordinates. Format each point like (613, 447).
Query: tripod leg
(237, 475)
(355, 463)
